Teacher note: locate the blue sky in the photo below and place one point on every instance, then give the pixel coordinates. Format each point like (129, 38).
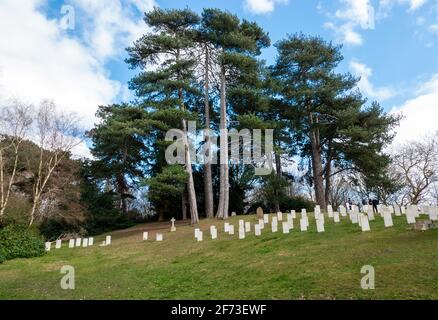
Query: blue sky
(391, 44)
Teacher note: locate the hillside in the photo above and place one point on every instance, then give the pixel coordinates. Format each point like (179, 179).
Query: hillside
(299, 265)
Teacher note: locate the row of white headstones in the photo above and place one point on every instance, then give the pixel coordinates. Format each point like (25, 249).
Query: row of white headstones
(78, 242)
(356, 217)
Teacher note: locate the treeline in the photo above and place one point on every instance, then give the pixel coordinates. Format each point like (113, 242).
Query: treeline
(207, 68)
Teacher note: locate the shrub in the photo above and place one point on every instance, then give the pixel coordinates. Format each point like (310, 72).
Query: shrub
(20, 242)
(52, 228)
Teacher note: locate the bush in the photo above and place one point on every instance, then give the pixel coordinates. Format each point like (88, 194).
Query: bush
(20, 242)
(52, 228)
(297, 203)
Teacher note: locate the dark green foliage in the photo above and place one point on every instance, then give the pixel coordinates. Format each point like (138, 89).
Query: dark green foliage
(52, 228)
(166, 188)
(20, 242)
(103, 215)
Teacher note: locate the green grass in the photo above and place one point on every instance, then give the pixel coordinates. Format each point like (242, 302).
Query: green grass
(299, 265)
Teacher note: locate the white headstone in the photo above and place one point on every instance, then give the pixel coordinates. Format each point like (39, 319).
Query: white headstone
(266, 218)
(321, 217)
(226, 227)
(364, 223)
(387, 218)
(90, 241)
(303, 213)
(58, 244)
(353, 217)
(285, 227)
(159, 236)
(233, 214)
(85, 243)
(290, 221)
(410, 216)
(293, 214)
(145, 235)
(279, 216)
(257, 230)
(274, 224)
(172, 228)
(303, 224)
(261, 224)
(320, 225)
(48, 246)
(108, 240)
(71, 243)
(213, 233)
(370, 214)
(197, 230)
(200, 236)
(241, 233)
(397, 210)
(330, 211)
(231, 229)
(247, 226)
(241, 224)
(317, 211)
(78, 242)
(336, 218)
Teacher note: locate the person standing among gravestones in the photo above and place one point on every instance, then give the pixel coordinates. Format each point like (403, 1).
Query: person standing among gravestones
(375, 203)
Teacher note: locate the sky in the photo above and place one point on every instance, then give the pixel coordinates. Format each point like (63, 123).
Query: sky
(73, 51)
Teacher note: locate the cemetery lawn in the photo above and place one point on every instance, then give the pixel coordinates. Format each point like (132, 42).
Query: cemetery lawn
(299, 265)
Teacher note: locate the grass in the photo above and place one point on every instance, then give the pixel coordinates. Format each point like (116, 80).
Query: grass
(299, 265)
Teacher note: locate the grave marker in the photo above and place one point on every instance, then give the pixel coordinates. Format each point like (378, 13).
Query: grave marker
(78, 242)
(293, 214)
(336, 217)
(58, 244)
(159, 237)
(85, 243)
(365, 224)
(231, 230)
(266, 218)
(259, 213)
(285, 227)
(387, 218)
(172, 228)
(279, 216)
(200, 236)
(48, 246)
(71, 243)
(320, 225)
(145, 235)
(303, 224)
(257, 230)
(330, 211)
(241, 233)
(90, 241)
(247, 226)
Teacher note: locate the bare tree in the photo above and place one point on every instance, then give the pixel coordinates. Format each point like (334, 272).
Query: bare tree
(417, 164)
(56, 135)
(15, 121)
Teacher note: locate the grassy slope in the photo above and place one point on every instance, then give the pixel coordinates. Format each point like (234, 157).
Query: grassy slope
(299, 265)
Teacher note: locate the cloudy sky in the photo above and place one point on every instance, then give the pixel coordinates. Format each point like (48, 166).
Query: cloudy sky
(73, 51)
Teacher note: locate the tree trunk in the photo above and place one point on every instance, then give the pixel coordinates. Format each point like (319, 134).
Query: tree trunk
(191, 193)
(278, 170)
(208, 182)
(317, 163)
(184, 205)
(222, 211)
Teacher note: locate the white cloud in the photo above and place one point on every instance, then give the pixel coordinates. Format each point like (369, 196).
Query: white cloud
(413, 4)
(345, 33)
(365, 85)
(420, 113)
(39, 60)
(262, 6)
